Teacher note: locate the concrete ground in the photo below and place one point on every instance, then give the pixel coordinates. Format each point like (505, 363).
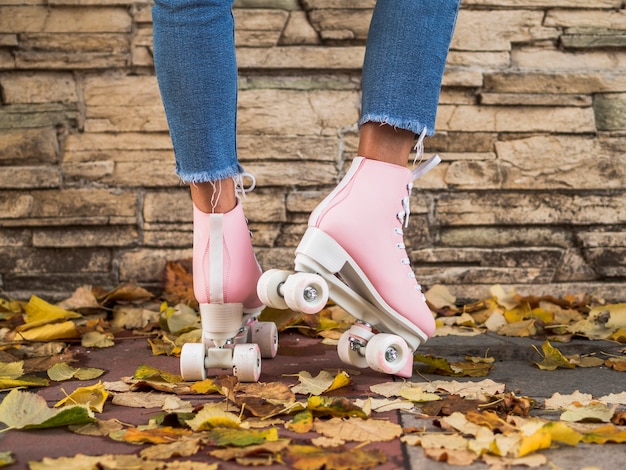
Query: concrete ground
(513, 367)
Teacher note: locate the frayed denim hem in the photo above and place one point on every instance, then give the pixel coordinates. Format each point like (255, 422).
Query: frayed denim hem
(414, 126)
(210, 176)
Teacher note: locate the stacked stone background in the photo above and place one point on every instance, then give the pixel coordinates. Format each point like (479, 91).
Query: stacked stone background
(531, 129)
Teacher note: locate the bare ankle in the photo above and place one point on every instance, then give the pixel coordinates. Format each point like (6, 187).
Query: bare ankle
(385, 143)
(214, 196)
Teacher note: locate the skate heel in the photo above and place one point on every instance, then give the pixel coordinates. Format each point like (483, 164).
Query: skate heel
(350, 288)
(219, 349)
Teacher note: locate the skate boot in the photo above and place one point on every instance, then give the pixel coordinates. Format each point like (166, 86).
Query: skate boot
(225, 273)
(354, 243)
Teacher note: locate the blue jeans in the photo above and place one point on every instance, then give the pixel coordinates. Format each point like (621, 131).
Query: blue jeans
(194, 56)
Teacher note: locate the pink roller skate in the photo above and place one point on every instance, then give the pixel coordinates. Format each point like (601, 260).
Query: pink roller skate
(225, 274)
(353, 252)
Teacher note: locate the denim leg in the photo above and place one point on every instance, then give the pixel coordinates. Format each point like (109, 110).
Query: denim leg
(406, 52)
(196, 68)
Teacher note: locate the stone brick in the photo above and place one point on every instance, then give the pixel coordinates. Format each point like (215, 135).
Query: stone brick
(521, 208)
(71, 43)
(574, 267)
(548, 59)
(126, 119)
(167, 207)
(607, 262)
(610, 111)
(478, 59)
(594, 40)
(595, 18)
(28, 146)
(31, 116)
(298, 31)
(74, 61)
(116, 142)
(544, 3)
(556, 82)
(75, 204)
(301, 148)
(147, 265)
(26, 260)
(29, 87)
(23, 177)
(15, 237)
(559, 162)
(64, 237)
(468, 276)
(301, 173)
(35, 19)
(599, 239)
(476, 31)
(336, 24)
(284, 112)
(14, 206)
(535, 99)
(494, 257)
(301, 57)
(516, 236)
(515, 119)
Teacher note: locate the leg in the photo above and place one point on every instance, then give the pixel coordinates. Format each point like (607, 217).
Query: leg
(355, 236)
(406, 52)
(194, 54)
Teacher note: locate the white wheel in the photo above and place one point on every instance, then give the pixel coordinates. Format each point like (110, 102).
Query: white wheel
(265, 334)
(192, 366)
(247, 362)
(349, 355)
(268, 288)
(387, 353)
(305, 292)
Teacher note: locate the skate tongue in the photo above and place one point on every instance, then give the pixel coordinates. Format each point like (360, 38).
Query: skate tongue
(425, 167)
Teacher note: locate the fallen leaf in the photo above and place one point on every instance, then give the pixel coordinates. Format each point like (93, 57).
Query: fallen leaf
(157, 435)
(333, 406)
(358, 429)
(182, 447)
(305, 457)
(25, 410)
(212, 416)
(301, 422)
(242, 437)
(558, 401)
(95, 339)
(592, 412)
(553, 358)
(93, 396)
(322, 382)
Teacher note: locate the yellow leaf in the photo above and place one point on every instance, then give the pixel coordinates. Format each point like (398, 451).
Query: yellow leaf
(212, 416)
(342, 379)
(49, 332)
(94, 396)
(561, 432)
(323, 382)
(61, 371)
(95, 339)
(418, 395)
(333, 406)
(553, 358)
(242, 437)
(144, 372)
(604, 434)
(40, 312)
(540, 439)
(301, 423)
(11, 370)
(160, 435)
(205, 386)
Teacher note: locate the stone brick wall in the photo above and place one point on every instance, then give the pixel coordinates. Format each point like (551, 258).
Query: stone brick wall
(531, 129)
